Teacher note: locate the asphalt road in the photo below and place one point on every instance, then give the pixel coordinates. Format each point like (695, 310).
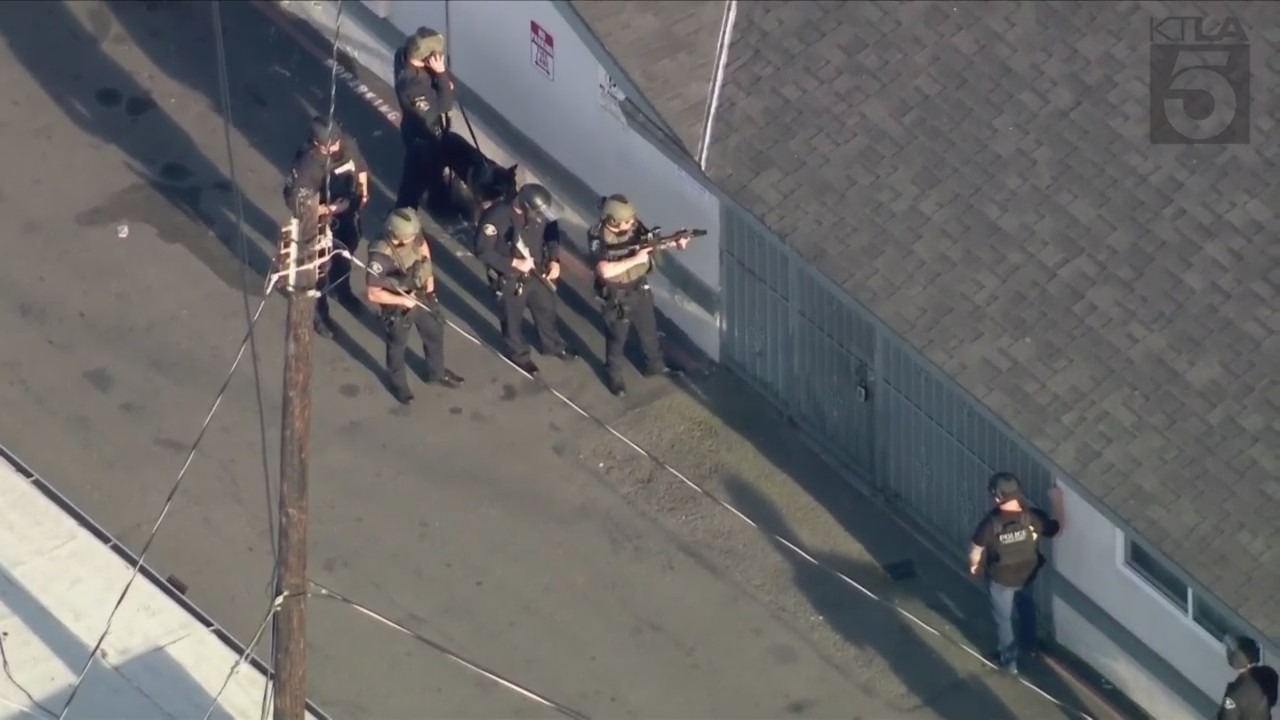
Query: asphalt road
(493, 519)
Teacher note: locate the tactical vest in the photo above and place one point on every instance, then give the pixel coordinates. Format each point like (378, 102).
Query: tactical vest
(1015, 541)
(615, 249)
(409, 269)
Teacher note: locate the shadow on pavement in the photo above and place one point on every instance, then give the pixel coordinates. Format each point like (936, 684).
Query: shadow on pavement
(902, 567)
(871, 625)
(270, 108)
(275, 89)
(176, 184)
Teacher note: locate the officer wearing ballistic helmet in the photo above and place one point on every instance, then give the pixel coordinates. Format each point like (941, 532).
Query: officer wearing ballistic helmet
(622, 266)
(400, 282)
(1009, 539)
(331, 164)
(425, 91)
(519, 243)
(1251, 694)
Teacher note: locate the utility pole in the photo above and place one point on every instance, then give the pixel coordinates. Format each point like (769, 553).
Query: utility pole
(301, 244)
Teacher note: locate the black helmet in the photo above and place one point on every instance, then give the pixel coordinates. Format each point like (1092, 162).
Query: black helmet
(533, 199)
(323, 133)
(1005, 487)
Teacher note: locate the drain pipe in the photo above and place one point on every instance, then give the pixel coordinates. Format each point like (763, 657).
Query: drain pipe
(717, 80)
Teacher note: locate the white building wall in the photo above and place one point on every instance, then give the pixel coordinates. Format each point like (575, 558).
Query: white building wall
(570, 115)
(1090, 555)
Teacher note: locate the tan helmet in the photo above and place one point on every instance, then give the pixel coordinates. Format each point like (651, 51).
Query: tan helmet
(617, 210)
(403, 223)
(423, 46)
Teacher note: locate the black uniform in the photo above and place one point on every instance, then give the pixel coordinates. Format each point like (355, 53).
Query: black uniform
(500, 236)
(628, 301)
(309, 172)
(425, 103)
(404, 268)
(1250, 696)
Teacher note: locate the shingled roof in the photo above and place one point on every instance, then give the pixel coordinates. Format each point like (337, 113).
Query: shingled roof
(981, 176)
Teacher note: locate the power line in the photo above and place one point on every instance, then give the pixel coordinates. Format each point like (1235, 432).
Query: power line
(248, 650)
(224, 90)
(164, 512)
(512, 685)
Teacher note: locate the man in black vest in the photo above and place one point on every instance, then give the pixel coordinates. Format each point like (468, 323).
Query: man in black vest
(1009, 539)
(519, 243)
(331, 164)
(1252, 693)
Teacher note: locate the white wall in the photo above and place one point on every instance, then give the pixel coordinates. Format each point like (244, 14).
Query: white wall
(1096, 649)
(1090, 555)
(567, 115)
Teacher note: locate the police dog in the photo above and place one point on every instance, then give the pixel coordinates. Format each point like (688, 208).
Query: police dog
(476, 179)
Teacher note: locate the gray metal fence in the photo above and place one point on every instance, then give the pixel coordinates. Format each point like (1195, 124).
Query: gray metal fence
(859, 390)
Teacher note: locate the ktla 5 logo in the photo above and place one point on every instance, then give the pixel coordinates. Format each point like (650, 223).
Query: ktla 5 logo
(1199, 82)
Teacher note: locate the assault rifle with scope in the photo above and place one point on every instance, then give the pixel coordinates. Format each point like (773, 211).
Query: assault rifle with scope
(651, 238)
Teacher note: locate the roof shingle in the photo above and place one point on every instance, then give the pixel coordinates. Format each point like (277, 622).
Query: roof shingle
(981, 176)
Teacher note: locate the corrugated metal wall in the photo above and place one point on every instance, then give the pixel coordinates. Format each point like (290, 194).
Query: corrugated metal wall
(865, 396)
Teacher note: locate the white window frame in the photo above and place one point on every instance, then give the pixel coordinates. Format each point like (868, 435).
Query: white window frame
(1187, 616)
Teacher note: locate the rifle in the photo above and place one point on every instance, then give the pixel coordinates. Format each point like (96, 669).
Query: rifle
(539, 273)
(650, 238)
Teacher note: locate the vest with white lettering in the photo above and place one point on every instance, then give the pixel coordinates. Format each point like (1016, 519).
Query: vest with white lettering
(1015, 542)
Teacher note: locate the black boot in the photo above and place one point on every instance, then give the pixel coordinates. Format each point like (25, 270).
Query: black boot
(449, 379)
(525, 365)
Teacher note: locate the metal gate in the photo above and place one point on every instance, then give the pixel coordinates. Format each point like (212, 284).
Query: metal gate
(794, 336)
(860, 390)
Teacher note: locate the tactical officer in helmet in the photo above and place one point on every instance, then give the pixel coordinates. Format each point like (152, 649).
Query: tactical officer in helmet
(425, 91)
(330, 164)
(401, 57)
(1252, 693)
(399, 277)
(622, 268)
(1009, 539)
(519, 243)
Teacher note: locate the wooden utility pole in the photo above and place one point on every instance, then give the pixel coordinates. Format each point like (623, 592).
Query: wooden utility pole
(300, 245)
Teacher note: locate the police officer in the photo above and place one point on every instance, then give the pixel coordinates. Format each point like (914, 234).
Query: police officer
(519, 243)
(399, 277)
(1252, 693)
(621, 279)
(330, 164)
(425, 91)
(1009, 539)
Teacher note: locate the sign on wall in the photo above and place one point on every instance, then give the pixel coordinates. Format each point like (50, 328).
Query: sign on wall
(610, 95)
(542, 50)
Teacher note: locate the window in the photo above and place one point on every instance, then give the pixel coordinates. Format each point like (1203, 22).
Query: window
(1158, 575)
(1205, 612)
(1213, 621)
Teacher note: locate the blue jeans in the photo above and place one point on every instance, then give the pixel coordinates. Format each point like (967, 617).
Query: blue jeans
(1014, 610)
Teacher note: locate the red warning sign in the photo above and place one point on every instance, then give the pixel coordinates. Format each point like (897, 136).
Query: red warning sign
(542, 50)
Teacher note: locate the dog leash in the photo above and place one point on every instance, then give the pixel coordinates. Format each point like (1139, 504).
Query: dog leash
(449, 64)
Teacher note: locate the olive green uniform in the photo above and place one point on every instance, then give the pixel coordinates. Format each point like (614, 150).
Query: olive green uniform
(628, 302)
(402, 267)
